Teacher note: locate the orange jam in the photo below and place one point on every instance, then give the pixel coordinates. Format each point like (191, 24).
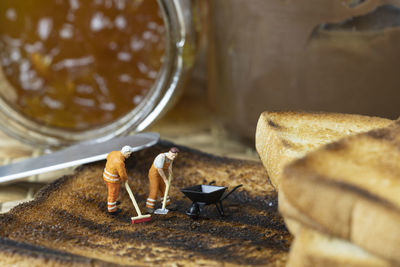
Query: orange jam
(80, 64)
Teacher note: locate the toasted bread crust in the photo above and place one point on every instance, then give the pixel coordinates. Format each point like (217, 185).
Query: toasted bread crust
(22, 254)
(70, 215)
(282, 137)
(317, 248)
(312, 248)
(294, 219)
(350, 188)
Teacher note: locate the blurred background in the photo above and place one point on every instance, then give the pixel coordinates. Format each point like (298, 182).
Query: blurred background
(198, 72)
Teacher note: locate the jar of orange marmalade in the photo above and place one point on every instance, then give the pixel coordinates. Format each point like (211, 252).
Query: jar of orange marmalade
(78, 70)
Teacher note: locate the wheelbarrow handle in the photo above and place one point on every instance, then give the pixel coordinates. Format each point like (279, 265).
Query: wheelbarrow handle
(233, 190)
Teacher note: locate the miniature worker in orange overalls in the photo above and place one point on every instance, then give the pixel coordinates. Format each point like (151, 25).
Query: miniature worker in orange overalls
(115, 173)
(158, 179)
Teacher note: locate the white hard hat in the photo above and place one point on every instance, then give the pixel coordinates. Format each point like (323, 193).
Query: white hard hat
(126, 150)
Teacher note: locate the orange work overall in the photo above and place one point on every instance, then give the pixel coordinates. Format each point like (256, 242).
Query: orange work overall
(114, 173)
(157, 184)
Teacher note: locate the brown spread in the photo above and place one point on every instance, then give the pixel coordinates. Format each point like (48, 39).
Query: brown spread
(80, 64)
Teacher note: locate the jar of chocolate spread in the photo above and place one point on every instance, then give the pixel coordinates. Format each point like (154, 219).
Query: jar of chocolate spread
(76, 70)
(313, 55)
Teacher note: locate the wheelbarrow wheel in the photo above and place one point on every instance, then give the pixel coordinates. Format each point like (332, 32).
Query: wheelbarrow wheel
(193, 211)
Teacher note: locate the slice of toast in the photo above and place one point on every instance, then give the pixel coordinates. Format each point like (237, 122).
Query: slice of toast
(311, 248)
(284, 136)
(293, 218)
(314, 248)
(68, 225)
(350, 188)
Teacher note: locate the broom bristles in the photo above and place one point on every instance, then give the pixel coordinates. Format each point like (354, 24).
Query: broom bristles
(140, 219)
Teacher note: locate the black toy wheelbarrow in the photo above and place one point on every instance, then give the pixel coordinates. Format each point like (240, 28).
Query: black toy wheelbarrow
(203, 195)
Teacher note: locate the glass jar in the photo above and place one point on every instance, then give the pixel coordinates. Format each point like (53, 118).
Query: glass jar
(179, 51)
(322, 55)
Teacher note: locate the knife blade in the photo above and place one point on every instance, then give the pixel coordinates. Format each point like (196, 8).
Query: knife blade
(74, 155)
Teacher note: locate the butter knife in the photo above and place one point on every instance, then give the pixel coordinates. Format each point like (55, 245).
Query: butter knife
(74, 155)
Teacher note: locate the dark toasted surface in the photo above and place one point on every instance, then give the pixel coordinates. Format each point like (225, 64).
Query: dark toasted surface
(67, 222)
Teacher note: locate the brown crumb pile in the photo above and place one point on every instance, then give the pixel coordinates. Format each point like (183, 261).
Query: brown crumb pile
(67, 223)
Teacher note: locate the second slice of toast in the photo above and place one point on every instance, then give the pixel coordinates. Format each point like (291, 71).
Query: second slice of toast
(351, 189)
(285, 136)
(311, 248)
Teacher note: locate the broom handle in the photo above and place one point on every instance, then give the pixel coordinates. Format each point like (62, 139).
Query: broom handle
(133, 199)
(166, 192)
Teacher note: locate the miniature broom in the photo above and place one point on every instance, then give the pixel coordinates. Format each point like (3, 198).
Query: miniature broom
(140, 218)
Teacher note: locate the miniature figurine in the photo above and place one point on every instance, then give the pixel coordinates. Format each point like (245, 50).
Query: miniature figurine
(115, 173)
(158, 179)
